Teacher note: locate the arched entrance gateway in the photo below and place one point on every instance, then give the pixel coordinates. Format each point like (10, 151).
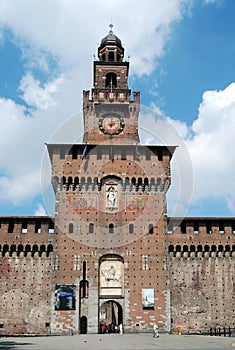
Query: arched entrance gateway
(110, 317)
(111, 293)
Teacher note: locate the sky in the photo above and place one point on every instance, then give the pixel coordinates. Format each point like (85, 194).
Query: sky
(181, 54)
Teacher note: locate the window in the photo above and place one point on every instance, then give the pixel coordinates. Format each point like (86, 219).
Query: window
(131, 228)
(37, 227)
(71, 228)
(11, 226)
(84, 286)
(123, 154)
(145, 262)
(111, 228)
(91, 228)
(151, 228)
(111, 56)
(24, 227)
(74, 152)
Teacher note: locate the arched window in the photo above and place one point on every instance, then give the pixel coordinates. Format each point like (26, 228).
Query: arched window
(131, 228)
(111, 80)
(207, 248)
(34, 249)
(27, 249)
(111, 228)
(227, 248)
(12, 249)
(70, 228)
(5, 249)
(91, 228)
(84, 286)
(42, 249)
(49, 249)
(133, 181)
(20, 249)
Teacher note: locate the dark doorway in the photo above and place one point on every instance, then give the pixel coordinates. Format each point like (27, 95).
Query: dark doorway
(83, 325)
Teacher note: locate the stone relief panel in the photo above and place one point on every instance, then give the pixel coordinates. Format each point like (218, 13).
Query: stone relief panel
(111, 277)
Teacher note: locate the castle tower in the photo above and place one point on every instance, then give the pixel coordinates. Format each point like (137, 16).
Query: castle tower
(110, 113)
(110, 212)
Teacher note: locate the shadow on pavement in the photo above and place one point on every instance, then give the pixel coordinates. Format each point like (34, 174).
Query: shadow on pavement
(6, 345)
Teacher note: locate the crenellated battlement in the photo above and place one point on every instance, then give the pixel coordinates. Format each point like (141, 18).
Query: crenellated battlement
(26, 234)
(201, 237)
(200, 227)
(28, 250)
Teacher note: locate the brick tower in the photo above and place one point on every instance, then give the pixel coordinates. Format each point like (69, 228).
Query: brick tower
(110, 213)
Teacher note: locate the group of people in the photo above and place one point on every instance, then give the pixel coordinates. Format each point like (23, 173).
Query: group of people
(110, 328)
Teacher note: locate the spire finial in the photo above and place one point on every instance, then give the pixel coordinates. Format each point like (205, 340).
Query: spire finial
(111, 28)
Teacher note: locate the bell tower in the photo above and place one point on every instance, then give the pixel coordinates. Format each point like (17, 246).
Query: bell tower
(110, 113)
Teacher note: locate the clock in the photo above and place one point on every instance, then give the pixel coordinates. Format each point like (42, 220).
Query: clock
(111, 124)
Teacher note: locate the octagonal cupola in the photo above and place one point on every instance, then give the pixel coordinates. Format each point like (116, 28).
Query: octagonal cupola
(111, 49)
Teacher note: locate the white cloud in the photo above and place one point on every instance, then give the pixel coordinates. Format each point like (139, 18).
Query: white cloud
(40, 210)
(211, 147)
(37, 96)
(203, 165)
(19, 188)
(70, 30)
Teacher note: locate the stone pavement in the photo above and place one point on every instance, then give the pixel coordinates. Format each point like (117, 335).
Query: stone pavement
(118, 342)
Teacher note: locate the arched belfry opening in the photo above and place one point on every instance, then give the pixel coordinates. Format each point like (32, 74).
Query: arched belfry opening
(111, 80)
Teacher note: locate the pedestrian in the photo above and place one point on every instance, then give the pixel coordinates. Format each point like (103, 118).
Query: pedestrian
(155, 331)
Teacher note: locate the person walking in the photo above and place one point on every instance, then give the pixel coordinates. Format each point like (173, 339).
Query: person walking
(155, 331)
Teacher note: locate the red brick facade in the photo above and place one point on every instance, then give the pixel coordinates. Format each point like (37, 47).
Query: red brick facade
(112, 256)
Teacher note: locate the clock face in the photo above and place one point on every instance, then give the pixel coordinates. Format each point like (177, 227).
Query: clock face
(111, 124)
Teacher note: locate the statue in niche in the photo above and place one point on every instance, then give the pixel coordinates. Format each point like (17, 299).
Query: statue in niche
(111, 197)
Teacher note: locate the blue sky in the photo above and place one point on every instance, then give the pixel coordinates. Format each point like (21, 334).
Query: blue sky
(182, 55)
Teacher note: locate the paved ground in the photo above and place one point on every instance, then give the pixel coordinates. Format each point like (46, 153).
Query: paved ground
(118, 342)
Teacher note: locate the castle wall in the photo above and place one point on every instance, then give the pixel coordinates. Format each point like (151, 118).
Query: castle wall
(201, 266)
(26, 272)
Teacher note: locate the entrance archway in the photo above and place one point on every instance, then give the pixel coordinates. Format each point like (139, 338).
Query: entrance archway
(83, 325)
(110, 317)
